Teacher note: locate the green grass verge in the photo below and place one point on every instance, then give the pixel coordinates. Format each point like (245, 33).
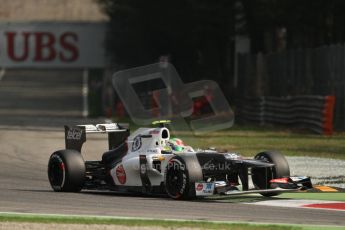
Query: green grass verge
(249, 140)
(169, 224)
(332, 196)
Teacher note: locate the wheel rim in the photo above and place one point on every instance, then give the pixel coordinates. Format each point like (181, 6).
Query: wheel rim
(56, 172)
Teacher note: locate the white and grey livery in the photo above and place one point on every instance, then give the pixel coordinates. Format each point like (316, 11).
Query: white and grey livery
(150, 161)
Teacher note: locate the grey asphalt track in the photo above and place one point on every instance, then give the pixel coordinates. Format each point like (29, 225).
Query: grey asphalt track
(37, 97)
(25, 188)
(24, 152)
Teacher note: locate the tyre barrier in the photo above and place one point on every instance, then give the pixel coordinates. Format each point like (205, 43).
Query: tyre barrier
(312, 112)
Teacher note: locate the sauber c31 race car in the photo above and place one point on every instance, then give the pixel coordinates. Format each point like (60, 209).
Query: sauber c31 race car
(149, 161)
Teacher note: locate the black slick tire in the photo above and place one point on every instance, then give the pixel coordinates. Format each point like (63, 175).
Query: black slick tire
(180, 177)
(262, 176)
(66, 171)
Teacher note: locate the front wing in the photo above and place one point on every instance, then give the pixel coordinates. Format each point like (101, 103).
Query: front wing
(279, 185)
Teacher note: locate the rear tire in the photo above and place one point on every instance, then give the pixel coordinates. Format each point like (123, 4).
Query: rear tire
(66, 171)
(180, 176)
(262, 176)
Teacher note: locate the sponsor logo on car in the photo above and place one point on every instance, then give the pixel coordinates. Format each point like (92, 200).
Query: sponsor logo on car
(154, 132)
(199, 187)
(74, 134)
(136, 143)
(204, 189)
(152, 150)
(143, 169)
(121, 174)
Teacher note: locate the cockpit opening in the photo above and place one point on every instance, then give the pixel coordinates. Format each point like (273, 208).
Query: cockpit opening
(165, 134)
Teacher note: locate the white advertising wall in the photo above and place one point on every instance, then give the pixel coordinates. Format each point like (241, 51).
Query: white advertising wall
(52, 45)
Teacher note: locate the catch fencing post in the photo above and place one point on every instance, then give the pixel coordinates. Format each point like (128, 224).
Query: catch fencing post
(85, 93)
(2, 73)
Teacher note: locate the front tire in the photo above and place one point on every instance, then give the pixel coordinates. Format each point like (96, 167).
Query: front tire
(180, 176)
(262, 176)
(66, 171)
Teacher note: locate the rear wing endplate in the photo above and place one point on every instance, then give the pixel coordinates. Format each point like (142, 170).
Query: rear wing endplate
(75, 136)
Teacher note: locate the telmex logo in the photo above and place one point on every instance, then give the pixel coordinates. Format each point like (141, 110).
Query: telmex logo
(45, 46)
(74, 134)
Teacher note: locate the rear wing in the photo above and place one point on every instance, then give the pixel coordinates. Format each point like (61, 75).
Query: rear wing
(75, 136)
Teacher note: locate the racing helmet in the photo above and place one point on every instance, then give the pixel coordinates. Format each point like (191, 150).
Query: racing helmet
(176, 144)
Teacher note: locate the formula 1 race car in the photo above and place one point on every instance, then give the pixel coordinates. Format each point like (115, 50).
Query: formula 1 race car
(149, 161)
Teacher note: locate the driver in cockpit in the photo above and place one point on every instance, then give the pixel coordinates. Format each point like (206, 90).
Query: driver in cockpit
(177, 146)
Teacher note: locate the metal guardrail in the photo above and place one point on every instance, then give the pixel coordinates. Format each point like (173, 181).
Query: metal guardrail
(308, 71)
(312, 112)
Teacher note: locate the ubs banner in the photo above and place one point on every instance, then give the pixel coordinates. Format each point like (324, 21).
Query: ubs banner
(52, 45)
